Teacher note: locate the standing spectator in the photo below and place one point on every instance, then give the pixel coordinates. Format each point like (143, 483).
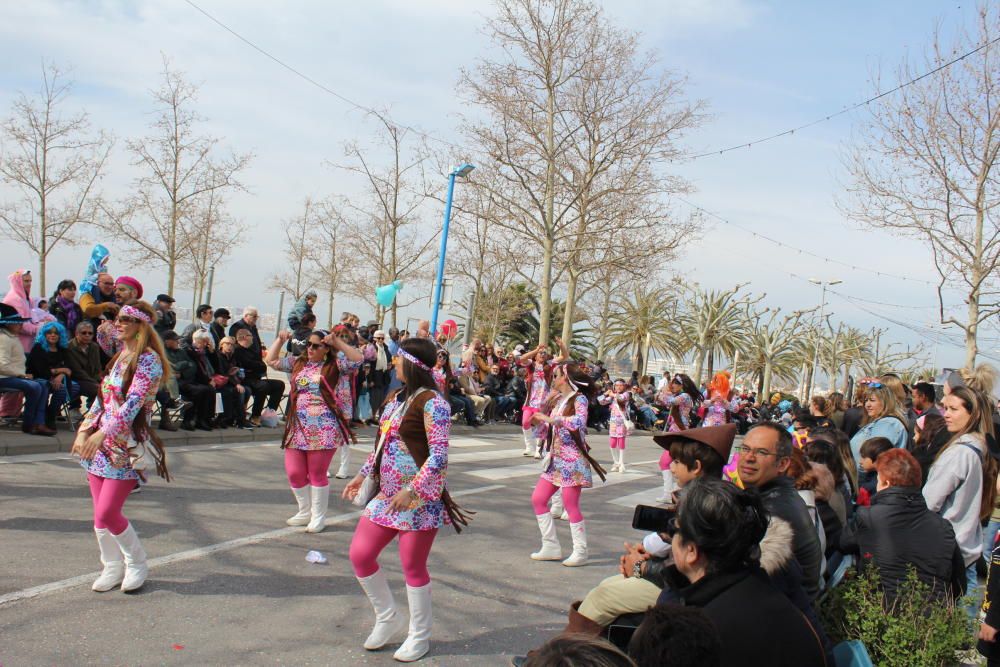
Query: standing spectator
(99, 303)
(837, 416)
(202, 322)
(19, 297)
(255, 375)
(220, 320)
(961, 486)
(85, 362)
(299, 341)
(48, 361)
(381, 373)
(166, 318)
(248, 323)
(898, 532)
(765, 456)
(63, 305)
(302, 307)
(853, 415)
(128, 290)
(884, 417)
(924, 397)
(394, 340)
(14, 375)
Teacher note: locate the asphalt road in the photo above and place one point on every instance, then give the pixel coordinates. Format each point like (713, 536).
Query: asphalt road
(229, 583)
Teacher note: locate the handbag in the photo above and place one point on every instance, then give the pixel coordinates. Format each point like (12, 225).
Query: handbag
(370, 485)
(219, 381)
(628, 423)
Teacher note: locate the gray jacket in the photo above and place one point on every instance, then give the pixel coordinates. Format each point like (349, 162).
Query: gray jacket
(954, 490)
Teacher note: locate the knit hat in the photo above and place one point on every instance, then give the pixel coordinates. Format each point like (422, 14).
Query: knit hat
(719, 438)
(129, 281)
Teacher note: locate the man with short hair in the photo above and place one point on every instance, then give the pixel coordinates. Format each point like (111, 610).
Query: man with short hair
(220, 320)
(765, 455)
(924, 398)
(249, 323)
(84, 360)
(166, 318)
(393, 342)
(103, 306)
(381, 373)
(202, 322)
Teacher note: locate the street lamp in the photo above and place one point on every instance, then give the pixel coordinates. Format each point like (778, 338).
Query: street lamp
(462, 170)
(822, 313)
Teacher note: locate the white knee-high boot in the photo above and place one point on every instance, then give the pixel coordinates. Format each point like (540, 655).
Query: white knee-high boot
(529, 442)
(388, 620)
(669, 485)
(111, 558)
(621, 460)
(136, 568)
(302, 498)
(551, 550)
(539, 443)
(345, 461)
(418, 639)
(320, 502)
(579, 555)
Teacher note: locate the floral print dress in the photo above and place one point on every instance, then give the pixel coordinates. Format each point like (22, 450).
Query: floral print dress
(718, 410)
(684, 407)
(569, 467)
(345, 385)
(399, 470)
(317, 428)
(116, 411)
(616, 423)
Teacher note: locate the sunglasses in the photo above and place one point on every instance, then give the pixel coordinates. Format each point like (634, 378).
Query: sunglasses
(84, 333)
(317, 346)
(874, 385)
(125, 319)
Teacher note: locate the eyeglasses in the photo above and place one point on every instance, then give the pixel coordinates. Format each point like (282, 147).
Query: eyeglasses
(317, 346)
(84, 333)
(747, 451)
(125, 319)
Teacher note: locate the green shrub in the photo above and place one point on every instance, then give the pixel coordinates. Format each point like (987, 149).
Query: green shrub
(916, 630)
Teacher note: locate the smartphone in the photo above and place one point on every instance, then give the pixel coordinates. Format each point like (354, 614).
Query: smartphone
(651, 519)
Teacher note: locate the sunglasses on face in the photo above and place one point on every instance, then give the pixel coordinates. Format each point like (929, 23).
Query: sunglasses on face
(125, 319)
(84, 333)
(317, 346)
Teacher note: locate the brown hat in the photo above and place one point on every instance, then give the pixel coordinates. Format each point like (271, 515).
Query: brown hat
(719, 438)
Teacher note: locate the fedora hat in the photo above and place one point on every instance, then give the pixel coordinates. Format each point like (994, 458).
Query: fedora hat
(719, 438)
(9, 315)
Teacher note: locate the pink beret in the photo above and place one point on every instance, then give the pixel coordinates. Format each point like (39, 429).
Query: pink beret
(129, 281)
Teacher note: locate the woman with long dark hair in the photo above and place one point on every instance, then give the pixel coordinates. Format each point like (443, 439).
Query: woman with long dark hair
(114, 432)
(408, 469)
(568, 468)
(63, 306)
(539, 364)
(680, 398)
(316, 424)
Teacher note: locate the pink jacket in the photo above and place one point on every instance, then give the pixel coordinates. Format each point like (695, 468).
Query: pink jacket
(23, 303)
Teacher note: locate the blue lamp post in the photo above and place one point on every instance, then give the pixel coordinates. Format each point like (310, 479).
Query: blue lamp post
(461, 170)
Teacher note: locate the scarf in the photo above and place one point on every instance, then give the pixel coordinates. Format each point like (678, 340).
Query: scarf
(381, 363)
(68, 308)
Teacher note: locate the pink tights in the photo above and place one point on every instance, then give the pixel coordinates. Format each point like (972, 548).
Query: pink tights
(309, 467)
(665, 460)
(617, 443)
(526, 414)
(414, 547)
(570, 497)
(109, 497)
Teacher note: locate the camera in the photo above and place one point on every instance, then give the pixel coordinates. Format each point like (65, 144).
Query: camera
(652, 519)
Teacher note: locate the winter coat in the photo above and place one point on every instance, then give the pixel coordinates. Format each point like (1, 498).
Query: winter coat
(299, 310)
(251, 363)
(85, 364)
(166, 320)
(954, 490)
(990, 612)
(64, 314)
(898, 531)
(12, 360)
(782, 500)
(240, 324)
(23, 303)
(41, 361)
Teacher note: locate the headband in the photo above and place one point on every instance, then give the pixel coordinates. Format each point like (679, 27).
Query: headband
(132, 311)
(413, 360)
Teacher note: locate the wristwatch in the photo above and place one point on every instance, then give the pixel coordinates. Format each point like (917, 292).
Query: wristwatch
(637, 570)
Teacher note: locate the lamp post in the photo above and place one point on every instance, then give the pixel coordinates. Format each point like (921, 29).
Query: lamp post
(822, 313)
(463, 171)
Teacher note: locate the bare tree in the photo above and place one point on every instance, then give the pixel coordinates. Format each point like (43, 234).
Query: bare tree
(924, 167)
(384, 238)
(214, 235)
(299, 250)
(54, 164)
(329, 253)
(178, 168)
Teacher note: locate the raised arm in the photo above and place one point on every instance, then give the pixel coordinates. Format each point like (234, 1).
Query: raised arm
(271, 358)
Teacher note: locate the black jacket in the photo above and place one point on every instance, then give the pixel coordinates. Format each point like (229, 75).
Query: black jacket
(166, 320)
(757, 623)
(251, 363)
(992, 611)
(898, 531)
(240, 324)
(782, 500)
(41, 361)
(61, 314)
(493, 386)
(852, 421)
(218, 332)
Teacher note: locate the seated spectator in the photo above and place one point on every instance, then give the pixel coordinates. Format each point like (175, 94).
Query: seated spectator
(235, 395)
(715, 539)
(871, 449)
(166, 318)
(202, 322)
(493, 387)
(450, 388)
(63, 305)
(84, 360)
(674, 636)
(576, 651)
(220, 320)
(14, 375)
(48, 361)
(255, 375)
(470, 387)
(192, 384)
(203, 355)
(898, 531)
(764, 459)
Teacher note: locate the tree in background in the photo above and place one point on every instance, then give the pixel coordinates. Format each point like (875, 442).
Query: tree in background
(179, 168)
(295, 277)
(712, 321)
(924, 167)
(214, 236)
(644, 323)
(54, 164)
(771, 345)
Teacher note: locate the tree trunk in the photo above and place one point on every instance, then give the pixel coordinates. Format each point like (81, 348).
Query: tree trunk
(602, 339)
(971, 331)
(571, 285)
(545, 300)
(711, 362)
(765, 382)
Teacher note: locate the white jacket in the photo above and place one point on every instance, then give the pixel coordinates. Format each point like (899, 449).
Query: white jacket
(11, 354)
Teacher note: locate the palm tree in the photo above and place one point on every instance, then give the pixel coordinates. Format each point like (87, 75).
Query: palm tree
(772, 347)
(642, 324)
(713, 321)
(842, 349)
(525, 328)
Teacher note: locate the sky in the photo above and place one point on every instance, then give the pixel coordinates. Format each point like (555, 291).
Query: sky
(761, 68)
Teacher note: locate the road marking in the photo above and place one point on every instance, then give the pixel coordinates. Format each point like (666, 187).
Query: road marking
(508, 472)
(647, 497)
(467, 457)
(200, 552)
